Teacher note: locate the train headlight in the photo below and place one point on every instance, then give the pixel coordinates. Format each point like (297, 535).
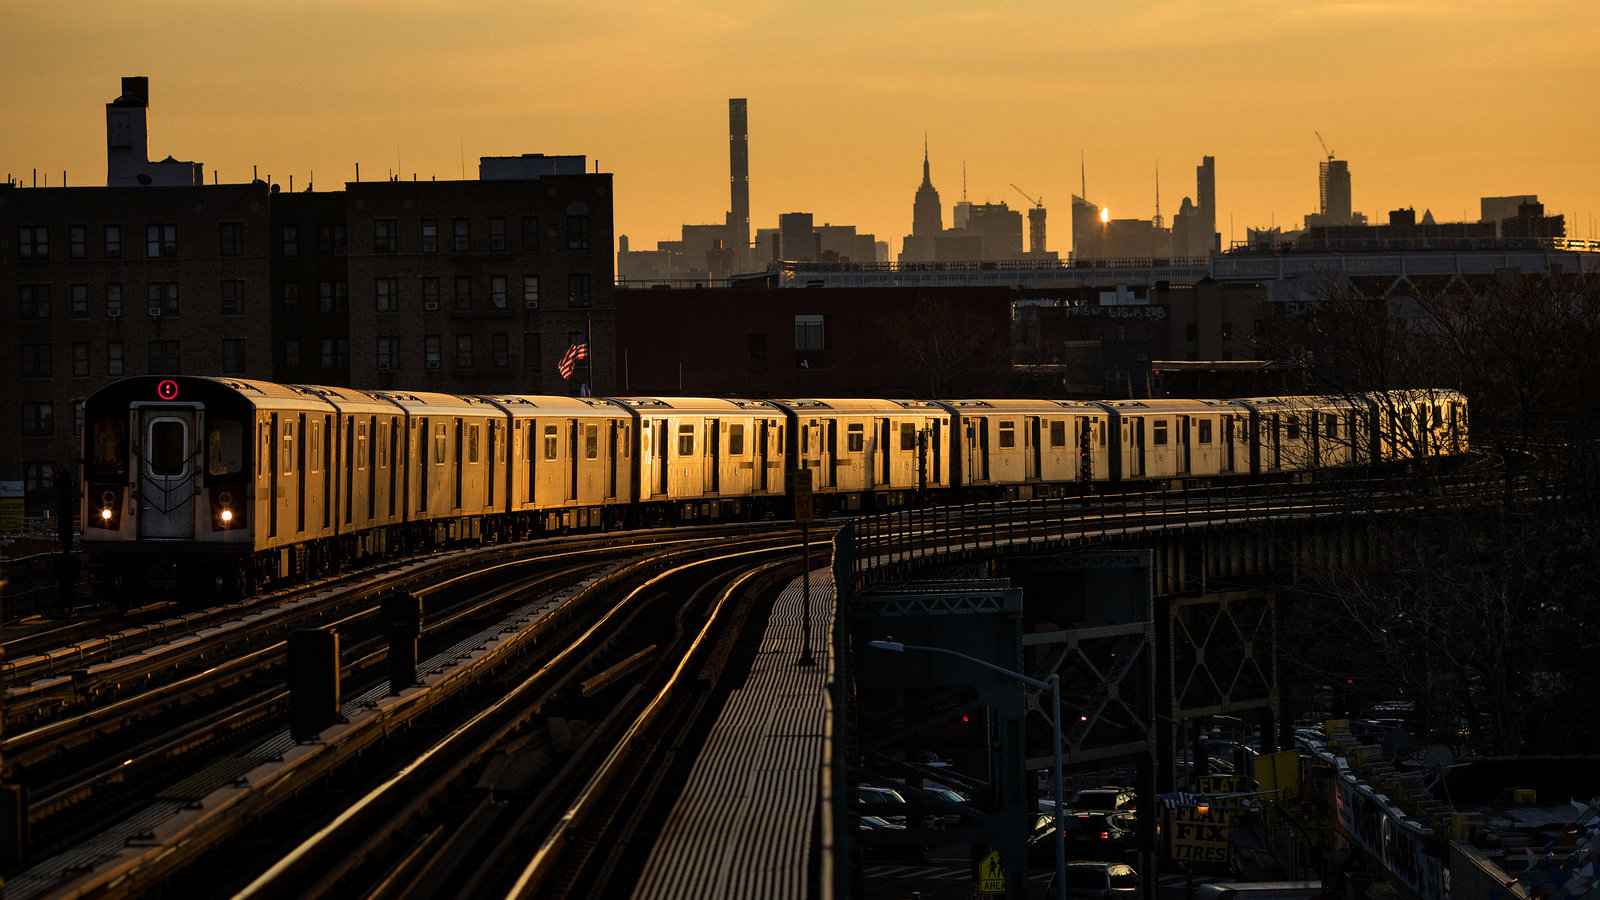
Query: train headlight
(105, 514)
(225, 515)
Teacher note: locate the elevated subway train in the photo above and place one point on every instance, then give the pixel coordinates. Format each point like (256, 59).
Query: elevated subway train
(217, 485)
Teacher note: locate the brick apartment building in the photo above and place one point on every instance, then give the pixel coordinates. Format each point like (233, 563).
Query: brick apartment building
(458, 286)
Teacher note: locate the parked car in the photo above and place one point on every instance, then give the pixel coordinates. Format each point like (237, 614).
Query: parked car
(885, 802)
(1102, 834)
(1088, 880)
(1103, 799)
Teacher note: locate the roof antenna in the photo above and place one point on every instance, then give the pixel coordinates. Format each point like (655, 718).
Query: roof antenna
(1083, 174)
(1157, 220)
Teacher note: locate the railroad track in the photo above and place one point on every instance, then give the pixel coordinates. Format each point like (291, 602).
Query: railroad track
(196, 791)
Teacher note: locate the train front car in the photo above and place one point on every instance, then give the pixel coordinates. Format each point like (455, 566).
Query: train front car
(167, 477)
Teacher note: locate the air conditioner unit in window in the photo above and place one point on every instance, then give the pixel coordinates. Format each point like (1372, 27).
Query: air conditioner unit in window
(431, 306)
(115, 313)
(385, 367)
(433, 364)
(530, 304)
(155, 311)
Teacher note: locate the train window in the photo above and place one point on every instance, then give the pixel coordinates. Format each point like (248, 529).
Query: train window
(1438, 416)
(550, 437)
(441, 443)
(382, 437)
(110, 458)
(736, 440)
(1008, 434)
(591, 442)
(685, 440)
(855, 438)
(361, 446)
(314, 446)
(1102, 432)
(1293, 429)
(908, 436)
(472, 443)
(1058, 433)
(626, 448)
(1205, 431)
(167, 454)
(224, 447)
(1158, 431)
(288, 448)
(1330, 425)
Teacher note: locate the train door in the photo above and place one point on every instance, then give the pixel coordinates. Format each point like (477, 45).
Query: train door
(424, 470)
(1184, 462)
(351, 463)
(763, 435)
(297, 467)
(938, 448)
(167, 473)
(572, 459)
(661, 457)
(831, 463)
(491, 461)
(712, 478)
(1031, 436)
(613, 450)
(1085, 449)
(269, 458)
(979, 465)
(885, 452)
(1136, 467)
(1227, 444)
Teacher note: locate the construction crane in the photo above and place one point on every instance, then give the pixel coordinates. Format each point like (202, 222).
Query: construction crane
(1037, 203)
(1319, 140)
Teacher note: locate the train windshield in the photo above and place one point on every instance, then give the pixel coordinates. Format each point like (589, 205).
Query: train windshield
(224, 447)
(108, 457)
(167, 453)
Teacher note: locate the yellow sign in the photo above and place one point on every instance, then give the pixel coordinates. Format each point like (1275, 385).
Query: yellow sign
(1203, 837)
(991, 874)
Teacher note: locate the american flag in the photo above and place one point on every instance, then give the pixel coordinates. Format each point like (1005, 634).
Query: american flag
(571, 357)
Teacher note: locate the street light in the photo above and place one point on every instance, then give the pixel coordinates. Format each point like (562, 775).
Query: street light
(1054, 687)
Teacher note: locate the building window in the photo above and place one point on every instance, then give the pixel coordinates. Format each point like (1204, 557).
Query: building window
(461, 235)
(38, 475)
(809, 333)
(430, 351)
(578, 291)
(35, 360)
(332, 296)
(430, 293)
(497, 234)
(38, 418)
(33, 242)
(80, 301)
(230, 238)
(291, 354)
(335, 354)
(530, 292)
(291, 297)
(113, 301)
(330, 239)
(233, 297)
(114, 358)
(388, 352)
(80, 359)
(530, 232)
(500, 350)
(578, 232)
(463, 351)
(430, 235)
(77, 242)
(161, 241)
(232, 356)
(33, 301)
(388, 292)
(384, 236)
(163, 297)
(113, 242)
(291, 240)
(497, 291)
(463, 293)
(531, 357)
(163, 357)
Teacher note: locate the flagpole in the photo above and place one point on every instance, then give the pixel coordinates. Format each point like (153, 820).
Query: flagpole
(588, 337)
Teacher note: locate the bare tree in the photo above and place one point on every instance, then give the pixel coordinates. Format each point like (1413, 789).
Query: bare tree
(950, 350)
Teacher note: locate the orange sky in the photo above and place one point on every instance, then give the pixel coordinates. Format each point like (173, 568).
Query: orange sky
(1435, 103)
